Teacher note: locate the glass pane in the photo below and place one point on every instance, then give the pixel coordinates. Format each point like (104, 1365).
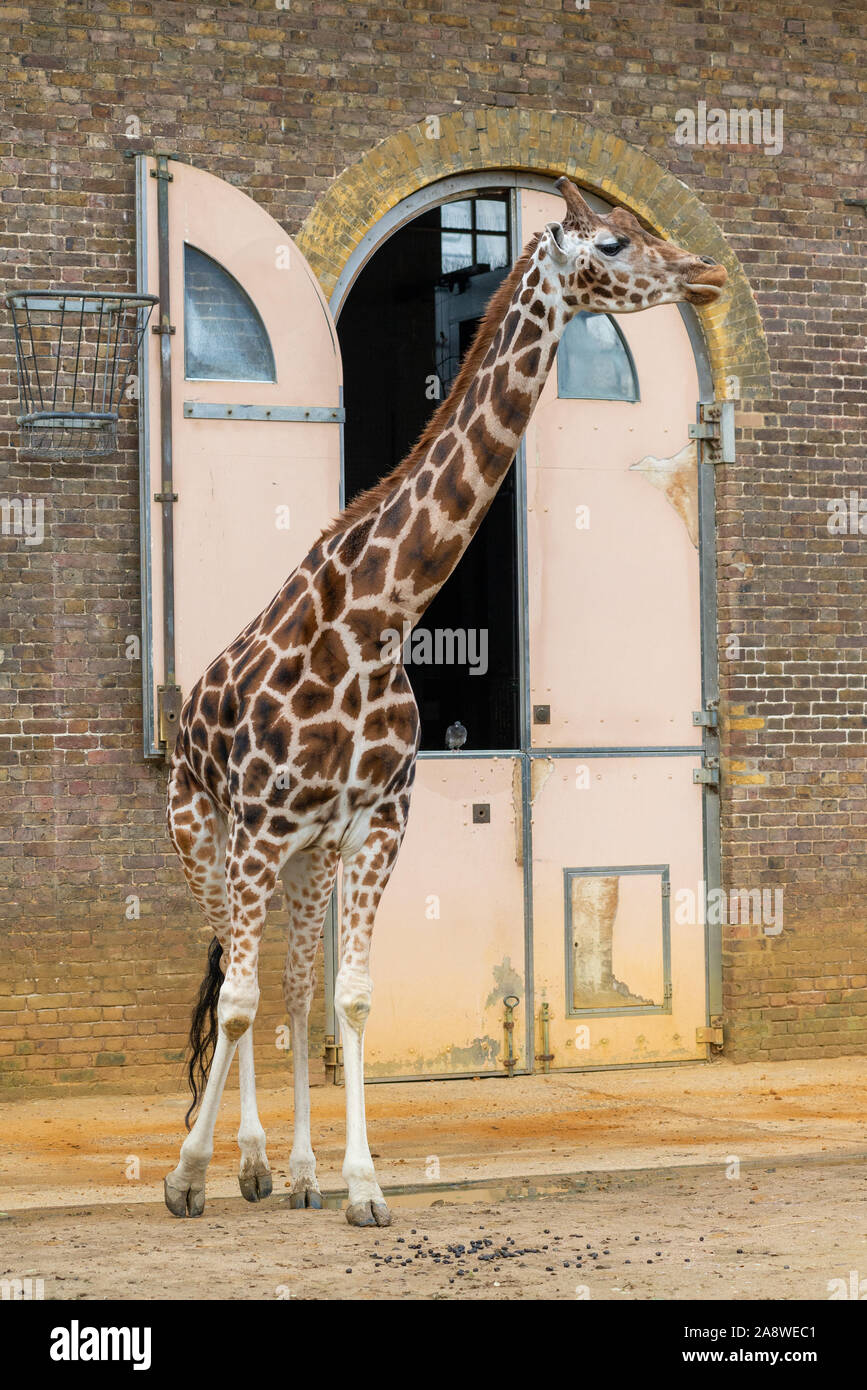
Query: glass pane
(456, 214)
(457, 250)
(492, 250)
(224, 337)
(593, 363)
(490, 215)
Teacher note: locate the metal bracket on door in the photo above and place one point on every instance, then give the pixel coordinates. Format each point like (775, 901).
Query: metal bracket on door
(311, 414)
(708, 773)
(162, 170)
(716, 431)
(169, 711)
(707, 718)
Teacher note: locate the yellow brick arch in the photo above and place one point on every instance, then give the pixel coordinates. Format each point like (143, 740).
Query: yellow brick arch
(548, 143)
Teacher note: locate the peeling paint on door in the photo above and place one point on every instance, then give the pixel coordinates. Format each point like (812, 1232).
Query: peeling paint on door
(594, 904)
(507, 982)
(480, 1055)
(677, 479)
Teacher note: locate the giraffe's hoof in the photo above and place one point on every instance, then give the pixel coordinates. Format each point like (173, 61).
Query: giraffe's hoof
(184, 1201)
(368, 1214)
(304, 1196)
(255, 1186)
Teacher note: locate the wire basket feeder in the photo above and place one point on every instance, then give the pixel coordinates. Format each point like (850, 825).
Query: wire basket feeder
(75, 351)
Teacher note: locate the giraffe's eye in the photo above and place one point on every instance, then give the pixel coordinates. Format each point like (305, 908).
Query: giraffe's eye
(610, 248)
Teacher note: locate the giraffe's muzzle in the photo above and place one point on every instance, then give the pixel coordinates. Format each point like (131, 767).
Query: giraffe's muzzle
(705, 287)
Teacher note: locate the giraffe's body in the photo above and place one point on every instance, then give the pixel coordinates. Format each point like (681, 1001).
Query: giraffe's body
(297, 747)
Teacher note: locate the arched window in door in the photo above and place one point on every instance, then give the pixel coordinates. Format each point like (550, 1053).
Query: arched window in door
(594, 362)
(224, 336)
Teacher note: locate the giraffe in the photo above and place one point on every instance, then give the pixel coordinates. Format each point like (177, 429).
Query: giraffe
(296, 749)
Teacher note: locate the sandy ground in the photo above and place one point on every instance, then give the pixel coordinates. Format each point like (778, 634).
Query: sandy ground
(706, 1181)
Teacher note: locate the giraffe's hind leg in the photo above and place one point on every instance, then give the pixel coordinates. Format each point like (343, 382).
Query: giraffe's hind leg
(308, 879)
(200, 835)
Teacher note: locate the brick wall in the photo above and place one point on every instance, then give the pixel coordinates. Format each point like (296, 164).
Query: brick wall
(279, 101)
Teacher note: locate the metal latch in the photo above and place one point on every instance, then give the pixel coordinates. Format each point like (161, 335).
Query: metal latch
(712, 1035)
(541, 714)
(716, 430)
(708, 773)
(510, 1061)
(169, 709)
(546, 1056)
(481, 813)
(333, 1056)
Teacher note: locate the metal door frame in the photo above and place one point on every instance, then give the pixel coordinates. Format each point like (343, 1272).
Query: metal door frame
(449, 189)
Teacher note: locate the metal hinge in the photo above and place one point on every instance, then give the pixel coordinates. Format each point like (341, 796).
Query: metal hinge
(169, 711)
(333, 1056)
(716, 430)
(712, 1035)
(667, 995)
(708, 773)
(707, 718)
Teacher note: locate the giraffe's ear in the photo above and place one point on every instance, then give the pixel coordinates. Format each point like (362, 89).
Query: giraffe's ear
(579, 215)
(556, 242)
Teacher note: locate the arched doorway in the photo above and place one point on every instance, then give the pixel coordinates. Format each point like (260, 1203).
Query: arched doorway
(407, 321)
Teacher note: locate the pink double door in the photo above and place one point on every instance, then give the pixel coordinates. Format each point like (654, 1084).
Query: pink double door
(545, 910)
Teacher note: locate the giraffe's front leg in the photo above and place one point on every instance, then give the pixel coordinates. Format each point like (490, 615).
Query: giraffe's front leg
(365, 877)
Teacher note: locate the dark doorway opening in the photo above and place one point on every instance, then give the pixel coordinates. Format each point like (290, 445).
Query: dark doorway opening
(406, 323)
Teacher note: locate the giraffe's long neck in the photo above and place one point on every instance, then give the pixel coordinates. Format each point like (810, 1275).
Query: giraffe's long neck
(438, 498)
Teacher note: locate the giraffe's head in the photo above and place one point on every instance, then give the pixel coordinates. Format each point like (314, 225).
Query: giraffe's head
(612, 265)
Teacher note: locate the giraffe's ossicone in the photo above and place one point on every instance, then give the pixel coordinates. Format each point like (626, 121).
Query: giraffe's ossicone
(297, 747)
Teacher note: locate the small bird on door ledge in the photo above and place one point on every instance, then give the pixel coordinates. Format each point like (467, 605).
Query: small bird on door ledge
(456, 735)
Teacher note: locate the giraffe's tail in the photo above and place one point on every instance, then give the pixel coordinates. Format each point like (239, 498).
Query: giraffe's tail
(203, 1028)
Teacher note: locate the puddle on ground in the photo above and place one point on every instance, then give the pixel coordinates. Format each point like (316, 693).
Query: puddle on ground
(434, 1194)
(516, 1189)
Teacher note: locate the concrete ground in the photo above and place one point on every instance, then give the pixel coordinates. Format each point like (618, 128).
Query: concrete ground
(747, 1181)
